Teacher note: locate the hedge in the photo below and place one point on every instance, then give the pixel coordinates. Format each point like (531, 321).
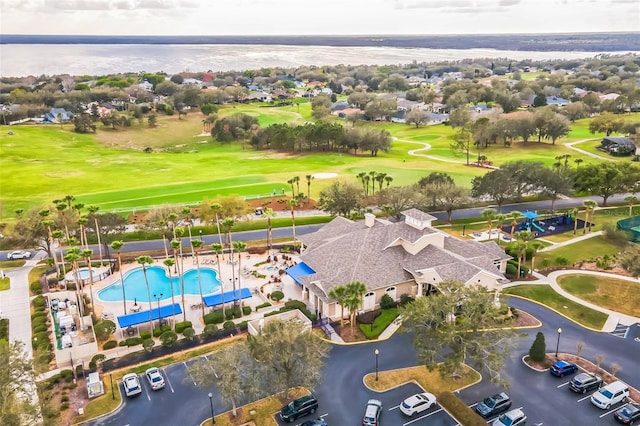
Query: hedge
(210, 329)
(277, 295)
(38, 303)
(133, 341)
(246, 310)
(214, 317)
(35, 287)
(263, 305)
(459, 410)
(229, 325)
(109, 345)
(38, 314)
(145, 335)
(181, 326)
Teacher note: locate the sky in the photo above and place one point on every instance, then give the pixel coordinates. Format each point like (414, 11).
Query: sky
(321, 17)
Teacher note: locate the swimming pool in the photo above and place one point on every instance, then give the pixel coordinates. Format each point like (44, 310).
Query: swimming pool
(135, 287)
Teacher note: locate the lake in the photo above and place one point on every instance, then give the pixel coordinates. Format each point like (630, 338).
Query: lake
(19, 60)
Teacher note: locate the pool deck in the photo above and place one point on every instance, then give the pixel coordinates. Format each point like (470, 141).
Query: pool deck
(259, 287)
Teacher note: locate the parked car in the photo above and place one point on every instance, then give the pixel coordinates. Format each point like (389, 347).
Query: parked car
(372, 413)
(562, 368)
(493, 405)
(19, 254)
(156, 381)
(628, 415)
(611, 394)
(131, 384)
(303, 406)
(315, 422)
(511, 418)
(585, 382)
(417, 403)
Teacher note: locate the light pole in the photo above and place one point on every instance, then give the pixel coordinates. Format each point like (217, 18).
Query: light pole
(213, 419)
(377, 352)
(558, 342)
(158, 297)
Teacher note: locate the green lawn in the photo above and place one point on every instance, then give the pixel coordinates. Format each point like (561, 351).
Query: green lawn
(386, 317)
(110, 168)
(545, 295)
(617, 295)
(590, 248)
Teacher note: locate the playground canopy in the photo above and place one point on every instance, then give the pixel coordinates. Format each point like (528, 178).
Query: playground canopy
(143, 316)
(228, 296)
(299, 270)
(530, 215)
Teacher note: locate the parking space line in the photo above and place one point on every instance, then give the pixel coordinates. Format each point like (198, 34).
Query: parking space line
(423, 417)
(393, 408)
(166, 377)
(584, 397)
(609, 412)
(145, 389)
(192, 379)
(324, 415)
(562, 385)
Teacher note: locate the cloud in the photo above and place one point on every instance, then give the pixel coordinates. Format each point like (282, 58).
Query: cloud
(458, 6)
(95, 5)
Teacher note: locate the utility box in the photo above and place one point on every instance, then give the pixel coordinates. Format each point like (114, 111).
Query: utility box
(95, 387)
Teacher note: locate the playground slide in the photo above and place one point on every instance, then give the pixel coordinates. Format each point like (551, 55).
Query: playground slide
(538, 227)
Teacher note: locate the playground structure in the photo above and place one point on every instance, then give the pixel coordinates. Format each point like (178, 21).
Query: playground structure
(539, 225)
(632, 226)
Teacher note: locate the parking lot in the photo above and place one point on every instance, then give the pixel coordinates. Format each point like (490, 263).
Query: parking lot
(545, 399)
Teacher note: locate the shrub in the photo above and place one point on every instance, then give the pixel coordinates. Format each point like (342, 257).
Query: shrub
(35, 287)
(165, 327)
(405, 298)
(40, 338)
(38, 314)
(104, 329)
(462, 413)
(561, 261)
(181, 326)
(148, 344)
(133, 341)
(246, 310)
(213, 318)
(40, 329)
(109, 345)
(157, 332)
(38, 322)
(386, 302)
(228, 314)
(277, 295)
(263, 305)
(145, 334)
(229, 325)
(122, 343)
(64, 398)
(96, 360)
(210, 329)
(511, 270)
(168, 338)
(189, 333)
(538, 349)
(38, 303)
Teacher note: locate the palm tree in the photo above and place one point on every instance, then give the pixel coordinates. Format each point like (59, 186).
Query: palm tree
(309, 179)
(58, 234)
(227, 225)
(522, 243)
(296, 180)
(291, 182)
(574, 214)
(186, 211)
(535, 246)
(361, 178)
(353, 302)
(388, 180)
(169, 263)
(590, 207)
(195, 248)
(117, 246)
(172, 218)
(515, 216)
(268, 213)
(339, 294)
(86, 253)
(176, 245)
(366, 179)
(61, 207)
(239, 246)
(163, 226)
(144, 261)
(380, 179)
(500, 218)
(72, 255)
(372, 179)
(93, 210)
(82, 221)
(216, 208)
(631, 200)
(292, 203)
(217, 248)
(578, 161)
(489, 215)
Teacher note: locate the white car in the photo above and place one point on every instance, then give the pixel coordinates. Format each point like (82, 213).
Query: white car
(417, 403)
(19, 254)
(511, 418)
(609, 395)
(131, 384)
(156, 381)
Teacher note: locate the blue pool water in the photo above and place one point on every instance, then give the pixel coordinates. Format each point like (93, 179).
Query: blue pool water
(135, 287)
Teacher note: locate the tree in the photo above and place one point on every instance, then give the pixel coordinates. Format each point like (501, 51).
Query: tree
(631, 200)
(604, 179)
(355, 290)
(538, 350)
(17, 380)
(630, 260)
(459, 118)
(294, 356)
(462, 140)
(292, 204)
(555, 183)
(83, 123)
(606, 123)
(176, 245)
(339, 294)
(321, 106)
(309, 179)
(515, 216)
(557, 126)
(466, 321)
(340, 198)
(104, 329)
(489, 215)
(117, 246)
(496, 184)
(144, 261)
(239, 247)
(86, 253)
(196, 245)
(522, 243)
(398, 199)
(233, 371)
(381, 109)
(452, 197)
(417, 116)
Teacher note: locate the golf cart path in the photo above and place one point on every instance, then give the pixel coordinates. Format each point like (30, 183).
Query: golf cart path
(426, 147)
(570, 145)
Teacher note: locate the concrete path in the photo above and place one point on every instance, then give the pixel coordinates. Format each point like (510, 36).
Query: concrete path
(571, 241)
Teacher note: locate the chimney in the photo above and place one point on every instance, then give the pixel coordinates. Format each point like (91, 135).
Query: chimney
(369, 219)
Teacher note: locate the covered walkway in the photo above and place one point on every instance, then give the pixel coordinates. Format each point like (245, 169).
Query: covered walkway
(228, 296)
(143, 316)
(299, 270)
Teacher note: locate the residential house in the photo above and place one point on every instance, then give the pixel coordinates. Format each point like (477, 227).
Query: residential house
(339, 106)
(145, 85)
(192, 82)
(555, 100)
(58, 115)
(393, 258)
(619, 145)
(260, 96)
(415, 80)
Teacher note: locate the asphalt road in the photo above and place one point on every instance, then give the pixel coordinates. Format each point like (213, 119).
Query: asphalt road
(343, 396)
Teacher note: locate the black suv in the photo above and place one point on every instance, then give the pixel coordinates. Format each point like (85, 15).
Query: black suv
(298, 408)
(585, 382)
(493, 405)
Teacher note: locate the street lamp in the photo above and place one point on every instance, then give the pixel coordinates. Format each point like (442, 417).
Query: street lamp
(158, 297)
(558, 342)
(213, 419)
(377, 352)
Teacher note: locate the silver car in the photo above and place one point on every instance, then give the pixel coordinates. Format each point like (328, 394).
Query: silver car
(131, 384)
(19, 254)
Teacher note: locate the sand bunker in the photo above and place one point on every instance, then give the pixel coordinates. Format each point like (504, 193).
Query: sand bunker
(324, 175)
